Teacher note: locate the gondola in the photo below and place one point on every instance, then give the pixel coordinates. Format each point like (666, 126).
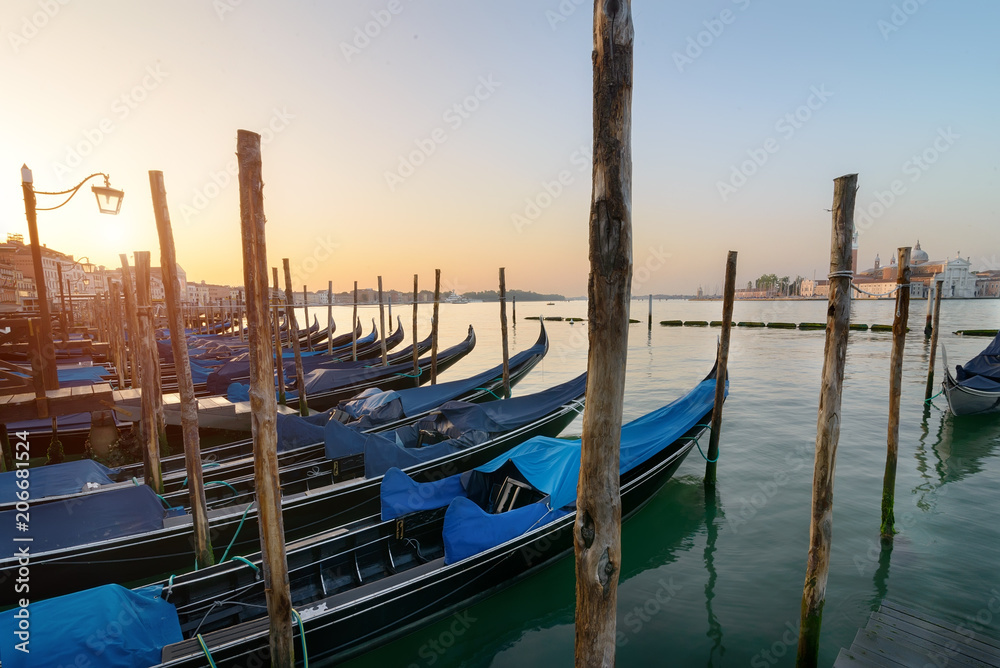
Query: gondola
(465, 538)
(128, 535)
(974, 389)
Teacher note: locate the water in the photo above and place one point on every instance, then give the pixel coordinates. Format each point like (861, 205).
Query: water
(719, 581)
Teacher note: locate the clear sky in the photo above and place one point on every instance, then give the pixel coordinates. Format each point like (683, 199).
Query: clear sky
(439, 138)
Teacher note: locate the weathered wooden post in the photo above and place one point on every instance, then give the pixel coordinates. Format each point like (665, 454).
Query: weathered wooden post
(503, 334)
(185, 383)
(513, 310)
(650, 319)
(895, 389)
(116, 334)
(329, 318)
(147, 371)
(434, 327)
(828, 421)
(722, 370)
(929, 323)
(63, 323)
(128, 289)
(147, 327)
(305, 304)
(597, 529)
(300, 381)
(354, 325)
(240, 311)
(390, 308)
(416, 353)
(279, 353)
(381, 318)
(938, 290)
(263, 407)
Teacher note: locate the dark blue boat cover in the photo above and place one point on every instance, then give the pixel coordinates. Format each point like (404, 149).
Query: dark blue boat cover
(552, 465)
(109, 626)
(88, 519)
(402, 495)
(487, 530)
(56, 479)
(464, 425)
(72, 421)
(77, 375)
(986, 363)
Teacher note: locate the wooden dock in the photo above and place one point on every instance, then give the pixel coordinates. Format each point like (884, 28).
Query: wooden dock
(900, 636)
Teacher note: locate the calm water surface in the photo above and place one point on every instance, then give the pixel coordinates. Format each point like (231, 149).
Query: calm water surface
(718, 581)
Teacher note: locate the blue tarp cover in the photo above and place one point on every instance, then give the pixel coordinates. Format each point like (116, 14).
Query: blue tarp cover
(471, 530)
(401, 495)
(55, 480)
(986, 363)
(109, 626)
(91, 518)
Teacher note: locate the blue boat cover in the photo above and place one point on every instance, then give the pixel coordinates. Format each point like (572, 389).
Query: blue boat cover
(110, 514)
(473, 530)
(986, 363)
(401, 495)
(109, 626)
(552, 465)
(64, 422)
(78, 375)
(56, 479)
(463, 425)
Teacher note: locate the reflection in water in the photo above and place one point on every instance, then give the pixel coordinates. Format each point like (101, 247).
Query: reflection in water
(881, 578)
(713, 509)
(959, 448)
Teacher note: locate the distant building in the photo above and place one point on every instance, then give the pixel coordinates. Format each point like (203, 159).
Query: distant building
(879, 282)
(988, 284)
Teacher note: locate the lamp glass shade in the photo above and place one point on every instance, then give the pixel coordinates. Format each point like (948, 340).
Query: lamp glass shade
(109, 200)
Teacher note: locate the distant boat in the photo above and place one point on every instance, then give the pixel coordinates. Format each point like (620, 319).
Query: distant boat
(455, 298)
(550, 304)
(975, 387)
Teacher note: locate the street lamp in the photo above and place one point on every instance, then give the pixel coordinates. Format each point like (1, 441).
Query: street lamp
(112, 201)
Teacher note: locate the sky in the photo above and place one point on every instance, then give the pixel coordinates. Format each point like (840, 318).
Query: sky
(402, 136)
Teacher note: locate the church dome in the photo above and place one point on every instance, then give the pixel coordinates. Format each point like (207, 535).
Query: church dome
(918, 256)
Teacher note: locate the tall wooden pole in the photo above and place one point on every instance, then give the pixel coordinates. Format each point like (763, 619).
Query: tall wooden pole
(329, 318)
(434, 327)
(513, 310)
(938, 290)
(263, 406)
(649, 323)
(503, 334)
(381, 318)
(275, 301)
(305, 303)
(300, 382)
(62, 303)
(47, 357)
(147, 382)
(416, 353)
(147, 328)
(185, 382)
(895, 389)
(722, 370)
(929, 323)
(828, 421)
(116, 336)
(597, 529)
(354, 325)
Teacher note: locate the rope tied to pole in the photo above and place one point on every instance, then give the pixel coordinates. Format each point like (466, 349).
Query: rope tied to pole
(695, 439)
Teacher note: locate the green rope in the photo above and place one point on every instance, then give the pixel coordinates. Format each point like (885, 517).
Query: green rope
(302, 635)
(215, 482)
(204, 648)
(695, 439)
(247, 562)
(242, 519)
(420, 371)
(927, 401)
(486, 389)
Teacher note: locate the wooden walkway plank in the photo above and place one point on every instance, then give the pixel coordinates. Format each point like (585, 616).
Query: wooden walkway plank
(901, 611)
(948, 646)
(860, 658)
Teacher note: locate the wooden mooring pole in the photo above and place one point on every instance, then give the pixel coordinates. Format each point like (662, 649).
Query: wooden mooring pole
(276, 301)
(513, 310)
(434, 327)
(263, 406)
(185, 383)
(416, 353)
(828, 421)
(354, 325)
(722, 370)
(503, 335)
(300, 381)
(929, 322)
(305, 305)
(597, 529)
(151, 469)
(329, 318)
(381, 322)
(938, 290)
(650, 319)
(895, 389)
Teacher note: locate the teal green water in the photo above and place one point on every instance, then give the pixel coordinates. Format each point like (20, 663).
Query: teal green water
(718, 581)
